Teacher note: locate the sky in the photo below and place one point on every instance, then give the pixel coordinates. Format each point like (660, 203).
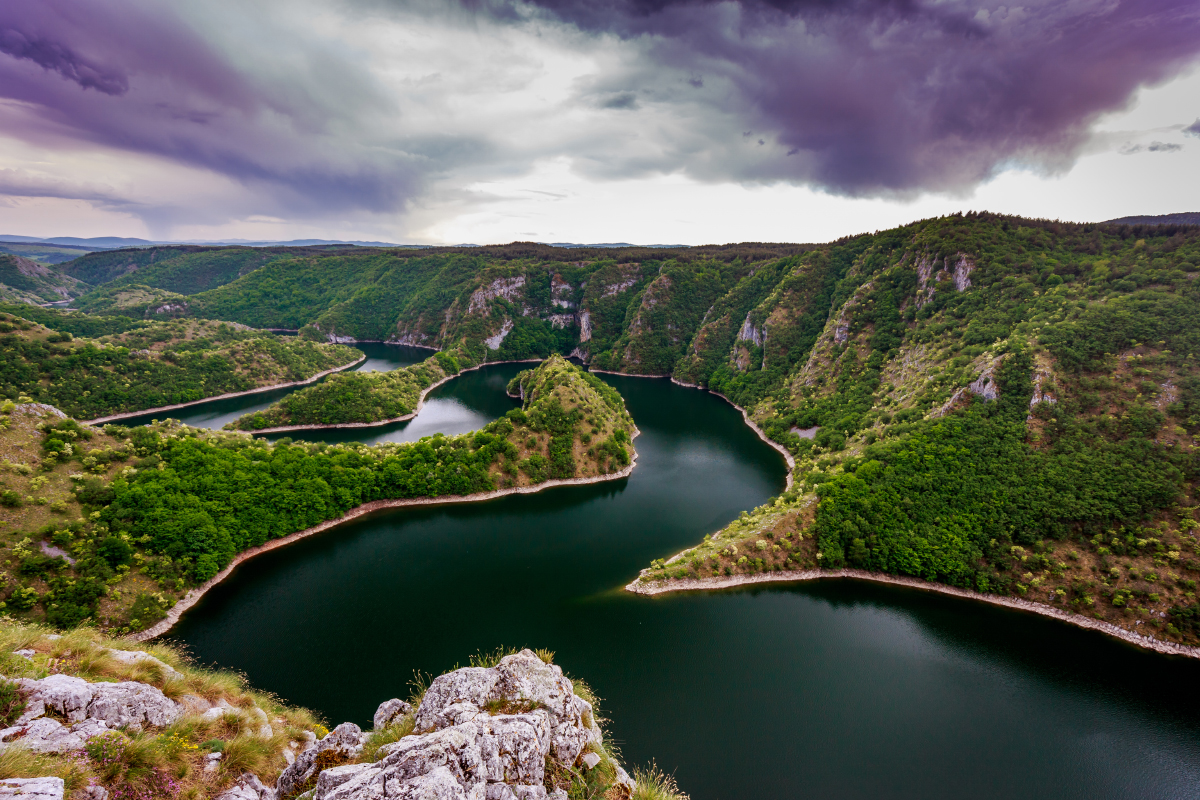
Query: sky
(645, 121)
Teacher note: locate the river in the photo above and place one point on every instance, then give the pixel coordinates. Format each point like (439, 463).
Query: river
(837, 688)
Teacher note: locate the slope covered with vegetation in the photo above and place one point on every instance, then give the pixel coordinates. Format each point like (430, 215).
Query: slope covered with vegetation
(115, 525)
(23, 280)
(997, 404)
(130, 366)
(183, 269)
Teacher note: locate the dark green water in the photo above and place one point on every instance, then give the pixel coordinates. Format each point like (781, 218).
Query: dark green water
(215, 414)
(837, 689)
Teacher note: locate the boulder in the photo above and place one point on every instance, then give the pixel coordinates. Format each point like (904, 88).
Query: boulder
(92, 792)
(344, 743)
(132, 704)
(66, 696)
(444, 764)
(390, 711)
(481, 733)
(127, 704)
(514, 747)
(47, 735)
(248, 787)
(32, 788)
(521, 680)
(453, 695)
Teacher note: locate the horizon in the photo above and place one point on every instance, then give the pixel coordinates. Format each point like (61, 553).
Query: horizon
(1163, 219)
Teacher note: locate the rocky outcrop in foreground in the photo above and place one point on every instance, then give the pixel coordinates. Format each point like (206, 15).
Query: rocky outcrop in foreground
(510, 728)
(516, 731)
(85, 710)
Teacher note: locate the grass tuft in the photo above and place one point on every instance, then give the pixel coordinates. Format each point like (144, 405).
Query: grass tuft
(654, 784)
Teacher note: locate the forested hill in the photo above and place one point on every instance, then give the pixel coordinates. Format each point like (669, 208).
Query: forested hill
(1001, 405)
(94, 366)
(736, 318)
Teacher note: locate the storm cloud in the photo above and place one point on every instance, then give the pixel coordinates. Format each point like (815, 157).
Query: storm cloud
(137, 77)
(878, 96)
(330, 108)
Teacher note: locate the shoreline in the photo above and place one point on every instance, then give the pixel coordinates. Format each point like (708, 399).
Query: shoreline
(411, 415)
(783, 451)
(1016, 604)
(228, 395)
(176, 612)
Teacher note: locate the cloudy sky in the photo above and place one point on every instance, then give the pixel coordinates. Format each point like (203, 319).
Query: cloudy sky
(649, 121)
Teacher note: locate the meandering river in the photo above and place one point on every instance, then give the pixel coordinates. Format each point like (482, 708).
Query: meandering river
(832, 689)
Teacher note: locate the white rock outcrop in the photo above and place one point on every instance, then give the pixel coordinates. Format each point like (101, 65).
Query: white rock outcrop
(85, 710)
(32, 788)
(248, 787)
(343, 743)
(390, 711)
(482, 733)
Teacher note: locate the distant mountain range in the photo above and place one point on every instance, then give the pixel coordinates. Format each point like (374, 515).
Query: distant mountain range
(117, 242)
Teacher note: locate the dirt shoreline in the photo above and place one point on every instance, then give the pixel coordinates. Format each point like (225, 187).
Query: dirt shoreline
(313, 379)
(190, 599)
(800, 576)
(417, 410)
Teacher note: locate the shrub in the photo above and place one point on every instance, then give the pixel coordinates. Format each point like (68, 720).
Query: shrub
(24, 599)
(115, 550)
(145, 611)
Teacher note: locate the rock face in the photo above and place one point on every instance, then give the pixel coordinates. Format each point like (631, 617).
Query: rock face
(248, 787)
(32, 788)
(343, 743)
(88, 709)
(389, 712)
(481, 734)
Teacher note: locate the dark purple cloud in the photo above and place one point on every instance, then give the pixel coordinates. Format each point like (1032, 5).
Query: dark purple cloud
(872, 96)
(134, 76)
(1193, 129)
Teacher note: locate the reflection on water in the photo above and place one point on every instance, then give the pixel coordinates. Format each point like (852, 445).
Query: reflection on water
(465, 404)
(838, 688)
(387, 357)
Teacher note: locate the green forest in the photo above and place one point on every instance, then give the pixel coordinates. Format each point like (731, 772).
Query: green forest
(130, 366)
(998, 404)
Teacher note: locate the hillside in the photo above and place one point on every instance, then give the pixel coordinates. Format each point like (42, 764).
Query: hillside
(43, 253)
(23, 280)
(87, 716)
(129, 366)
(496, 303)
(182, 269)
(1002, 405)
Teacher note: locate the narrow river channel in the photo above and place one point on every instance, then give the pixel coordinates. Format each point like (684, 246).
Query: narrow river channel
(834, 689)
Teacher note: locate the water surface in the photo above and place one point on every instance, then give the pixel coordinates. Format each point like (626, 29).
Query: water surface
(838, 688)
